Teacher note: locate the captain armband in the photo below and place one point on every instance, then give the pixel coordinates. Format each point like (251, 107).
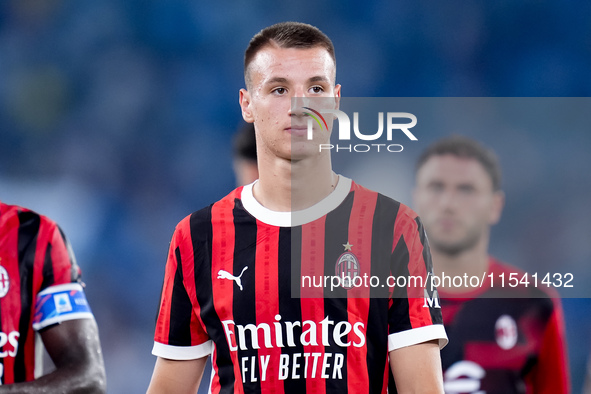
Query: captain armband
(60, 303)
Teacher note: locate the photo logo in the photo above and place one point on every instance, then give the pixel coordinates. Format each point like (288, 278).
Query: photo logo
(392, 126)
(310, 135)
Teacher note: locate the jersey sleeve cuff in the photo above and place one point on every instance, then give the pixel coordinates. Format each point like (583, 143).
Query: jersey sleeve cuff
(418, 335)
(182, 352)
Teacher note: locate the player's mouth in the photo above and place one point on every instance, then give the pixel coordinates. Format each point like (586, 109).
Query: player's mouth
(297, 131)
(447, 224)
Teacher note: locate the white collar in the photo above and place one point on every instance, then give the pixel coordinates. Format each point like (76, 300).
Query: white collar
(296, 218)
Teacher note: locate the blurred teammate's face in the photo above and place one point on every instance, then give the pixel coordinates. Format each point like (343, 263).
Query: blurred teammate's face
(276, 76)
(455, 199)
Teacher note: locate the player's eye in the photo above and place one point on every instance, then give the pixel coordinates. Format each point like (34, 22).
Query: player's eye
(466, 189)
(317, 89)
(279, 91)
(435, 187)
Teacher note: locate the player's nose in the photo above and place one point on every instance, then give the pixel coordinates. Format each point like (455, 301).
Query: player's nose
(448, 200)
(297, 106)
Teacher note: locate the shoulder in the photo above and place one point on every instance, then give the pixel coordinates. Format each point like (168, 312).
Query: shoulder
(386, 207)
(29, 221)
(382, 201)
(392, 215)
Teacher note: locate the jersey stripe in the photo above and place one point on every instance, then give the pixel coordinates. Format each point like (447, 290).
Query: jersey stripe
(428, 263)
(335, 302)
(201, 234)
(267, 304)
(399, 319)
(361, 237)
(290, 241)
(200, 228)
(417, 316)
(312, 256)
(183, 252)
(420, 316)
(164, 318)
(384, 218)
(222, 250)
(244, 301)
(74, 270)
(29, 245)
(10, 303)
(180, 329)
(48, 278)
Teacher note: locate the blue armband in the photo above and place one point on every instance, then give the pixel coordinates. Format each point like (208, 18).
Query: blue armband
(60, 303)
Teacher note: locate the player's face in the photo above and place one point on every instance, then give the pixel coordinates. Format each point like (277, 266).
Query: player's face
(455, 199)
(277, 75)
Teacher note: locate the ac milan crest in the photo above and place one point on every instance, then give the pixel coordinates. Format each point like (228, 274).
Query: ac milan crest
(347, 267)
(4, 282)
(506, 332)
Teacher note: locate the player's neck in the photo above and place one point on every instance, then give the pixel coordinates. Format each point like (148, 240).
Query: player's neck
(287, 186)
(470, 262)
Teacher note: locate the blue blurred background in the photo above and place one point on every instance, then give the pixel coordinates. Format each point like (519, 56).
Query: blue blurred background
(116, 118)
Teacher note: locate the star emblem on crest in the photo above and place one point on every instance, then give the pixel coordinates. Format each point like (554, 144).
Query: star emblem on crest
(347, 246)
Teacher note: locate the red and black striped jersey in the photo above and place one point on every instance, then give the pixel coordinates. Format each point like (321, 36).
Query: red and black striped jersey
(504, 340)
(234, 287)
(34, 255)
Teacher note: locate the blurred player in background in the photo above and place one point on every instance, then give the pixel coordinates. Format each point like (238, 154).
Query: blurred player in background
(41, 292)
(502, 340)
(244, 155)
(227, 286)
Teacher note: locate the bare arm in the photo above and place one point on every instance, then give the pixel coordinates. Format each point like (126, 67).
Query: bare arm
(417, 368)
(75, 349)
(176, 376)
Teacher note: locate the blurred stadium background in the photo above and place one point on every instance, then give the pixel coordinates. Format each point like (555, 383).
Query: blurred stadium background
(116, 118)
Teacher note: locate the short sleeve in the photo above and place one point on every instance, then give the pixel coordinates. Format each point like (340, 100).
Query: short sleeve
(59, 264)
(414, 314)
(61, 294)
(180, 334)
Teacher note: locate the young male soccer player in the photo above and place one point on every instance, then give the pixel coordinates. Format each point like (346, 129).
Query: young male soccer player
(40, 291)
(228, 281)
(502, 339)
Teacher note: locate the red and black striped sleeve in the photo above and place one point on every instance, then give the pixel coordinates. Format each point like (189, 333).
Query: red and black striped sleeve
(412, 320)
(180, 333)
(57, 259)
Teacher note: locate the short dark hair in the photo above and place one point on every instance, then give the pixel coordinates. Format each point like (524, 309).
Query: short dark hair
(287, 35)
(465, 147)
(244, 143)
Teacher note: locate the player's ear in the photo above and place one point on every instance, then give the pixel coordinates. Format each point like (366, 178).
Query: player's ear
(337, 95)
(245, 106)
(497, 207)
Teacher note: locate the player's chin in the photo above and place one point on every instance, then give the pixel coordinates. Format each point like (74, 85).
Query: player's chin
(444, 242)
(303, 150)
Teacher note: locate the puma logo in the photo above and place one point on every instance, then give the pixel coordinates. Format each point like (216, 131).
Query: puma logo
(226, 275)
